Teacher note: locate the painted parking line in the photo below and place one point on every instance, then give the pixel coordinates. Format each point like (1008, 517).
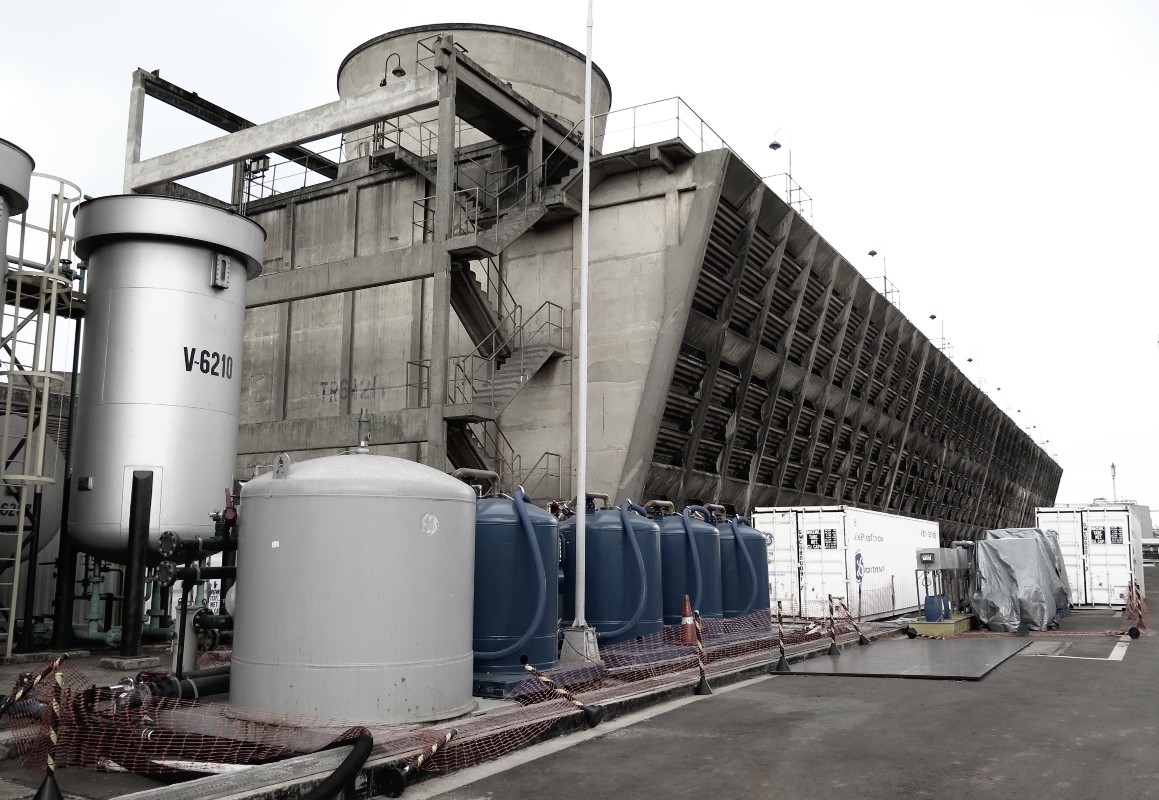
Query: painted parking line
(1118, 652)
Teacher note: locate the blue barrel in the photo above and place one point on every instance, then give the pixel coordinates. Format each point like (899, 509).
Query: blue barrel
(935, 608)
(516, 586)
(744, 573)
(621, 603)
(690, 562)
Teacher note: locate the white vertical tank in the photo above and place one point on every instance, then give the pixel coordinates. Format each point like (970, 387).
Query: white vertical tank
(160, 377)
(354, 591)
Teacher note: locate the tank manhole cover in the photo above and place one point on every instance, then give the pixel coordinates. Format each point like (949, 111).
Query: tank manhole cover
(1045, 649)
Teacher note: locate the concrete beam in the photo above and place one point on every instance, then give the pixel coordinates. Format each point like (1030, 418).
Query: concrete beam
(319, 433)
(348, 274)
(393, 100)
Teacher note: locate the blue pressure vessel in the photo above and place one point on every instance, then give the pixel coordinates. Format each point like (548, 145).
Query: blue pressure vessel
(516, 585)
(622, 601)
(744, 573)
(690, 561)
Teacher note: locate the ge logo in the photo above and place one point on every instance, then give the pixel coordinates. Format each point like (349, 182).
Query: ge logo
(430, 524)
(768, 540)
(857, 568)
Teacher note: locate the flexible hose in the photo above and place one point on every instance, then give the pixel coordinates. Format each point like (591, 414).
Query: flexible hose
(695, 557)
(520, 502)
(631, 534)
(329, 788)
(740, 545)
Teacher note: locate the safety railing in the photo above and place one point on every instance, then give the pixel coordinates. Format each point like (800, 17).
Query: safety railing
(791, 192)
(545, 476)
(658, 121)
(471, 377)
(418, 384)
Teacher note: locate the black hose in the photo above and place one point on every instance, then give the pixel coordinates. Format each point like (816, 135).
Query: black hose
(740, 545)
(520, 502)
(186, 688)
(331, 786)
(631, 534)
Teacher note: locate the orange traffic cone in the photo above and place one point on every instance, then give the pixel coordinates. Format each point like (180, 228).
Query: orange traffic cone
(687, 626)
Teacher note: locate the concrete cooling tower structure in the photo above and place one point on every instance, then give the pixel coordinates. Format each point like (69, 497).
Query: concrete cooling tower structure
(427, 271)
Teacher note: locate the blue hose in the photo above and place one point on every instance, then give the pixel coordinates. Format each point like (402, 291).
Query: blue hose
(520, 502)
(740, 545)
(709, 517)
(695, 558)
(631, 534)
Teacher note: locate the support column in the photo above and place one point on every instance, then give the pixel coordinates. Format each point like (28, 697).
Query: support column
(445, 64)
(136, 125)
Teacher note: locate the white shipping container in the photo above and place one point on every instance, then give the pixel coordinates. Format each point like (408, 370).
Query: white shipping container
(1102, 546)
(864, 557)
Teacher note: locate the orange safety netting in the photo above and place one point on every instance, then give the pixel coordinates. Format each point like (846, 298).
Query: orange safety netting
(132, 727)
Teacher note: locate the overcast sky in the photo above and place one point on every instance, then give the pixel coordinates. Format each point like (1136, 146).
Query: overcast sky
(1001, 156)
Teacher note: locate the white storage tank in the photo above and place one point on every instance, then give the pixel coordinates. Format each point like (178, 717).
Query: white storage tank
(160, 377)
(354, 591)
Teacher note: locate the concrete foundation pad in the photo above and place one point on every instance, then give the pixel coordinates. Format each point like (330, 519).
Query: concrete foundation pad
(136, 662)
(39, 657)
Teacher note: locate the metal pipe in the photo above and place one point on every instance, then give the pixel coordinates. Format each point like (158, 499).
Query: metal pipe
(169, 573)
(62, 603)
(184, 610)
(30, 586)
(133, 604)
(582, 351)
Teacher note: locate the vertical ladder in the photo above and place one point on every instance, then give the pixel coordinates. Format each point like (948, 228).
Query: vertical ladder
(36, 295)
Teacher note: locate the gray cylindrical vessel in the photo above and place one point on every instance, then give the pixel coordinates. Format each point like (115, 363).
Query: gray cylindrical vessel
(548, 73)
(354, 591)
(160, 379)
(15, 182)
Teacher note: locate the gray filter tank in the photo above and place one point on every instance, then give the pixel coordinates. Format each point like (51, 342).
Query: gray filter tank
(160, 379)
(354, 591)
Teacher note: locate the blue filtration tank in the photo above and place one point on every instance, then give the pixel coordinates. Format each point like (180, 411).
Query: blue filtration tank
(690, 561)
(623, 596)
(744, 570)
(516, 585)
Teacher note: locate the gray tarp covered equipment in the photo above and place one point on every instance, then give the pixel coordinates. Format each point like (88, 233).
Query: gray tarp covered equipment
(1049, 540)
(1017, 584)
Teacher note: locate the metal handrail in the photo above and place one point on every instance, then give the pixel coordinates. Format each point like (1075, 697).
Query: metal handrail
(546, 460)
(420, 383)
(471, 375)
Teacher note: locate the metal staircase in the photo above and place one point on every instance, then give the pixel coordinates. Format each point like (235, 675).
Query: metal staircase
(491, 209)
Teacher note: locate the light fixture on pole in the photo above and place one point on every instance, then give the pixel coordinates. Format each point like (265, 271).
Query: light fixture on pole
(888, 289)
(795, 195)
(775, 145)
(944, 346)
(397, 72)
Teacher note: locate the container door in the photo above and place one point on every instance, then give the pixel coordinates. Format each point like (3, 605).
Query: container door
(1108, 556)
(780, 530)
(823, 554)
(1068, 524)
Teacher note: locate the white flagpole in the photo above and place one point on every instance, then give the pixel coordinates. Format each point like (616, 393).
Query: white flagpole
(582, 350)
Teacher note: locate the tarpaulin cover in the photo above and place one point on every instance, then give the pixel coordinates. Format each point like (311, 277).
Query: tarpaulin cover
(1017, 584)
(1049, 540)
